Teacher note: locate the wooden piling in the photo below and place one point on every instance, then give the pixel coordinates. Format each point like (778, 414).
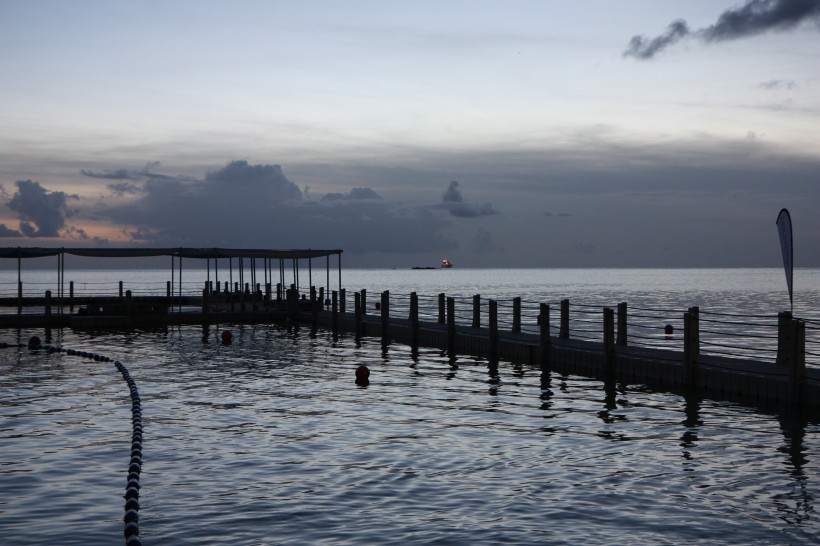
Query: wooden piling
(48, 303)
(544, 336)
(357, 314)
(493, 331)
(451, 327)
(314, 310)
(477, 311)
(792, 341)
(441, 308)
(563, 332)
(516, 325)
(335, 311)
(609, 343)
(385, 317)
(414, 322)
(691, 345)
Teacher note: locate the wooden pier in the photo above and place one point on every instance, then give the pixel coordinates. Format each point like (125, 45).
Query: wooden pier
(785, 382)
(541, 339)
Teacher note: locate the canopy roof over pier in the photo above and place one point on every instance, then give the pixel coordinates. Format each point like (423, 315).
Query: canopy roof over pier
(181, 252)
(178, 253)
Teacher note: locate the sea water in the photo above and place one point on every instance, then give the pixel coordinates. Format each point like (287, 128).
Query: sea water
(269, 440)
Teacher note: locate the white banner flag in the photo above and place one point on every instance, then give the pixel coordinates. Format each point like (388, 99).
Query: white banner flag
(784, 227)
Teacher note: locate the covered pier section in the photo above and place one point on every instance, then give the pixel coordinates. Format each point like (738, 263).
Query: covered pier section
(231, 275)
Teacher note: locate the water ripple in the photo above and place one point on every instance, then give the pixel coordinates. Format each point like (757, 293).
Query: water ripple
(269, 441)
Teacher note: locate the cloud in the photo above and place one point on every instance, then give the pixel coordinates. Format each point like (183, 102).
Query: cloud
(466, 210)
(119, 174)
(778, 84)
(6, 231)
(245, 205)
(124, 188)
(454, 202)
(484, 241)
(42, 213)
(642, 47)
(254, 182)
(759, 16)
(126, 174)
(354, 194)
(453, 194)
(754, 17)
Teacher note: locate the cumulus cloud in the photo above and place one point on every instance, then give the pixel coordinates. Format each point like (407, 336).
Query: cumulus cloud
(354, 194)
(453, 194)
(453, 201)
(248, 205)
(42, 213)
(254, 181)
(752, 18)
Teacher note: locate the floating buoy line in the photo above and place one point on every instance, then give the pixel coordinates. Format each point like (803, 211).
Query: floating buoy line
(131, 518)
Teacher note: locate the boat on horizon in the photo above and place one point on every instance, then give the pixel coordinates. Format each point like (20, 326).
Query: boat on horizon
(446, 264)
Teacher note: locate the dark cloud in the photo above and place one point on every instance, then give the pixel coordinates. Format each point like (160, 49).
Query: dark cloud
(119, 174)
(354, 194)
(453, 194)
(6, 231)
(642, 47)
(254, 182)
(466, 210)
(759, 16)
(42, 213)
(126, 174)
(258, 206)
(560, 214)
(453, 201)
(124, 188)
(754, 17)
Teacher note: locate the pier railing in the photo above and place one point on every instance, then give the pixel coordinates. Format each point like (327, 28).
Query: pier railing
(754, 337)
(746, 336)
(728, 355)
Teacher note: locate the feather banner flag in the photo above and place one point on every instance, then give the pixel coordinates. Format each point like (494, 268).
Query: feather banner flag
(784, 227)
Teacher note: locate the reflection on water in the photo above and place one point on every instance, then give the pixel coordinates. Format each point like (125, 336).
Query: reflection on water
(269, 440)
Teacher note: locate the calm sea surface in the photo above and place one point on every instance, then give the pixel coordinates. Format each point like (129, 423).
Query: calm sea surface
(270, 441)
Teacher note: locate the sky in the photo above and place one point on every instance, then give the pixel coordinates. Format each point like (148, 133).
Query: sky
(546, 133)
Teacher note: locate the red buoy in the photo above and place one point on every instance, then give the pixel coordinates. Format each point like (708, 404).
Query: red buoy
(362, 373)
(226, 337)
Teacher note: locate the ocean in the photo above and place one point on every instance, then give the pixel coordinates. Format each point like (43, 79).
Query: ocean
(270, 440)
